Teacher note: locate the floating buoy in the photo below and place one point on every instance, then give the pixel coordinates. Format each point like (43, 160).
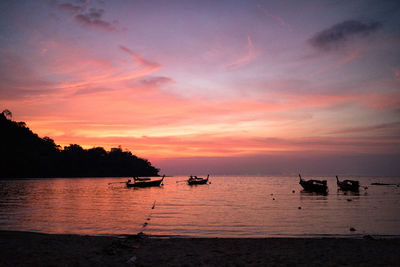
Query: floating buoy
(299, 208)
(352, 229)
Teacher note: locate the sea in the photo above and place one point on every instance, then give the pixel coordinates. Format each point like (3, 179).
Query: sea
(228, 206)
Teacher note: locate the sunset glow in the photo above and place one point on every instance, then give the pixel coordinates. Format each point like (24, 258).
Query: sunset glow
(183, 80)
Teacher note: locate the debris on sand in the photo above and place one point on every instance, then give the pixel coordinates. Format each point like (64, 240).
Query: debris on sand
(132, 260)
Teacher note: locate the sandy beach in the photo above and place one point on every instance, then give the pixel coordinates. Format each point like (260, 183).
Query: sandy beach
(34, 249)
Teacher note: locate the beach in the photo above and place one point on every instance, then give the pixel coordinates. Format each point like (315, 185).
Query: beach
(36, 249)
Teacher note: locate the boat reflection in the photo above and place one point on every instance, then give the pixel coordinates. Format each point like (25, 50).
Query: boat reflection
(307, 195)
(310, 193)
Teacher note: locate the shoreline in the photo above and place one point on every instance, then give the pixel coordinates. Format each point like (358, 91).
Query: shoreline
(38, 249)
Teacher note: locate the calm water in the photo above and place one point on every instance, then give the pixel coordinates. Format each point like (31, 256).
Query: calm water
(230, 206)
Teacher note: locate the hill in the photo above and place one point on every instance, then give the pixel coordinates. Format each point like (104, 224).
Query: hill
(23, 154)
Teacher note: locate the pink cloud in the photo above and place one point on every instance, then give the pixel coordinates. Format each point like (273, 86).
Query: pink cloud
(141, 61)
(251, 55)
(195, 126)
(276, 18)
(162, 91)
(352, 56)
(93, 71)
(382, 101)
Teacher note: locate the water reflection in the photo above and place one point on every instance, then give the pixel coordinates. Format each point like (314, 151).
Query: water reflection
(305, 193)
(348, 193)
(231, 206)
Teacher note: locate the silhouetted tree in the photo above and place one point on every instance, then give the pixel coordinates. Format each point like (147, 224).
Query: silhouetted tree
(7, 114)
(24, 154)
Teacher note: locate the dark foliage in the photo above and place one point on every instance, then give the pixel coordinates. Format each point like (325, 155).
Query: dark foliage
(24, 154)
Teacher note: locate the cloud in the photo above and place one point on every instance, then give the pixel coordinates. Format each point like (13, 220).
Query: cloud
(93, 18)
(213, 144)
(386, 127)
(70, 7)
(251, 54)
(141, 61)
(151, 86)
(340, 33)
(68, 71)
(343, 61)
(106, 75)
(156, 81)
(278, 19)
(88, 17)
(91, 91)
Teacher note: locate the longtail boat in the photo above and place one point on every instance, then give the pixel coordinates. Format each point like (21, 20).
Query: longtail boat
(144, 183)
(348, 185)
(193, 180)
(318, 186)
(140, 179)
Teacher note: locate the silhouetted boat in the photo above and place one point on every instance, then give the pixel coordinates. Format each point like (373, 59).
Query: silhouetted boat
(314, 185)
(144, 183)
(140, 179)
(197, 180)
(348, 185)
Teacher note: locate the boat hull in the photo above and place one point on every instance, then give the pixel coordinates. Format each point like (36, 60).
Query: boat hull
(144, 183)
(348, 187)
(314, 186)
(195, 182)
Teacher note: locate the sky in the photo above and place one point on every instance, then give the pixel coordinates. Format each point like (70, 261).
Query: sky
(221, 87)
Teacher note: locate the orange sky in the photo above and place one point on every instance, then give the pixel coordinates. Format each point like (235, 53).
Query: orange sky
(189, 79)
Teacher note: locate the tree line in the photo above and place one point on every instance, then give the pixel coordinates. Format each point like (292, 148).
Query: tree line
(23, 154)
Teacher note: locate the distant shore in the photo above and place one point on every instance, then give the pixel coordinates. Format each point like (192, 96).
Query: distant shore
(35, 249)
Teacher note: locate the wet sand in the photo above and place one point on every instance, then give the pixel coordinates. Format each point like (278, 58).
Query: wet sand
(34, 249)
